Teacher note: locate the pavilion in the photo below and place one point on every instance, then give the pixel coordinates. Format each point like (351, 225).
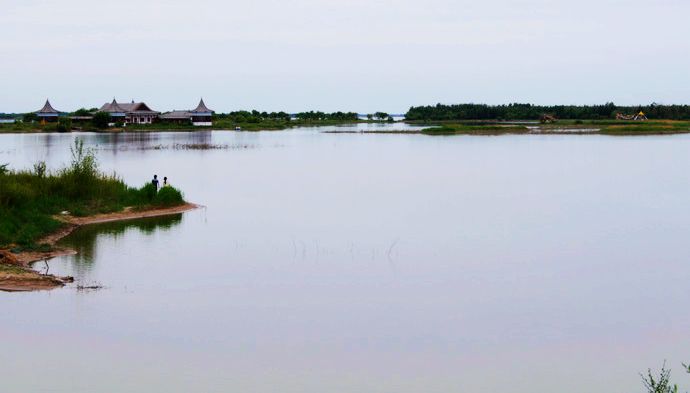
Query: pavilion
(200, 116)
(134, 112)
(47, 113)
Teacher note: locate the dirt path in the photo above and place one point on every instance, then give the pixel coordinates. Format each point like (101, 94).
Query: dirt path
(15, 271)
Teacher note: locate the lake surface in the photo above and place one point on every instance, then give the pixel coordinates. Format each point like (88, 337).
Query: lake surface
(367, 263)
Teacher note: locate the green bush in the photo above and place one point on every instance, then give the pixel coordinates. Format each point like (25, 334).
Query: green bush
(30, 117)
(101, 120)
(64, 124)
(147, 193)
(82, 112)
(168, 196)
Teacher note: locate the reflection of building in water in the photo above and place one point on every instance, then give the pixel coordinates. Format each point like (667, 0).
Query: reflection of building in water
(116, 142)
(47, 113)
(199, 116)
(134, 112)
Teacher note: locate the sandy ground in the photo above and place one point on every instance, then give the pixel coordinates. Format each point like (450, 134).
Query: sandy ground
(15, 271)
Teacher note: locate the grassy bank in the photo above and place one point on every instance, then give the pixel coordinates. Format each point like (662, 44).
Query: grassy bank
(604, 127)
(655, 127)
(464, 129)
(30, 198)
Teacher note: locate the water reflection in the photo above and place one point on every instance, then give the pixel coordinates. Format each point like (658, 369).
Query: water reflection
(369, 263)
(85, 240)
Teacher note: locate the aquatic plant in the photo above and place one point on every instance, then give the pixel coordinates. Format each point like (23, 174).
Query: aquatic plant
(662, 382)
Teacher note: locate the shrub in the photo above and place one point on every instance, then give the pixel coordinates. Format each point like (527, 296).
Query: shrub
(30, 117)
(147, 193)
(661, 384)
(64, 124)
(82, 112)
(84, 162)
(40, 169)
(101, 120)
(168, 196)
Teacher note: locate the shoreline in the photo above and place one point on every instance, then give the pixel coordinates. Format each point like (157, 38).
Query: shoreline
(221, 125)
(432, 127)
(529, 132)
(16, 274)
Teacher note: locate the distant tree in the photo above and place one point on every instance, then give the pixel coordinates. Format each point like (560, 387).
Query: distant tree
(519, 111)
(390, 119)
(82, 112)
(381, 115)
(101, 120)
(64, 124)
(370, 116)
(30, 117)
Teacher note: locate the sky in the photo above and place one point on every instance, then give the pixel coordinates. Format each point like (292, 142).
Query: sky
(354, 55)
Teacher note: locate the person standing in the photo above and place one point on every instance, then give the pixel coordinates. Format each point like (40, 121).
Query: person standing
(165, 181)
(155, 182)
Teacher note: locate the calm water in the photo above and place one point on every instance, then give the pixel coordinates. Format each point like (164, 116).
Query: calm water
(368, 263)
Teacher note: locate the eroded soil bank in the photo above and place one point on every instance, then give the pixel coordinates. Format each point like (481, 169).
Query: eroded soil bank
(15, 268)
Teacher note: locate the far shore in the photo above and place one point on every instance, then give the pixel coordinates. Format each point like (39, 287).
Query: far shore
(220, 125)
(431, 127)
(16, 274)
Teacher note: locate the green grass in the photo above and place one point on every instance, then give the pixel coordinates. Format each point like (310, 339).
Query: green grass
(30, 199)
(27, 127)
(463, 129)
(647, 128)
(604, 127)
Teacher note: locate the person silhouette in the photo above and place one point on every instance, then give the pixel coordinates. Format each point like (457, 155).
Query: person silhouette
(155, 182)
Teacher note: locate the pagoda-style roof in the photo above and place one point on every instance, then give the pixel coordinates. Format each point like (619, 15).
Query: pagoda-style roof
(112, 107)
(201, 108)
(177, 115)
(133, 107)
(47, 110)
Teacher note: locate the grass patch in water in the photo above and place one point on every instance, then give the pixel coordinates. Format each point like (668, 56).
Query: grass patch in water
(464, 129)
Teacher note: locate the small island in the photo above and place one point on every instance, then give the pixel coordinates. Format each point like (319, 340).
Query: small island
(38, 207)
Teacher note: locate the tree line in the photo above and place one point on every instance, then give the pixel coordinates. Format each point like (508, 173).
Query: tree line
(519, 111)
(255, 116)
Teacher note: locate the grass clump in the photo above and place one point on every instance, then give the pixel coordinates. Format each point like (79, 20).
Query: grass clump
(470, 129)
(30, 198)
(165, 197)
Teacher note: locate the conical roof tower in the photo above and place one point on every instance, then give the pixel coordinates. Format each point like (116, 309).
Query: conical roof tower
(47, 109)
(114, 107)
(201, 108)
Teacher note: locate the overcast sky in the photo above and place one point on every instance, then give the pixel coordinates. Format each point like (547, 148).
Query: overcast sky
(354, 55)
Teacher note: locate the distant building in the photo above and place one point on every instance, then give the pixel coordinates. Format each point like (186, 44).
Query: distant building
(200, 116)
(47, 113)
(132, 113)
